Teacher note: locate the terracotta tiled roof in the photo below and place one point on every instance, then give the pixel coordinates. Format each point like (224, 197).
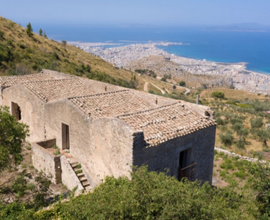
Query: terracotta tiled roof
(110, 104)
(7, 81)
(167, 122)
(50, 90)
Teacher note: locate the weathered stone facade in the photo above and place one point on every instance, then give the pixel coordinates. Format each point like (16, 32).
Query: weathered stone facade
(45, 161)
(108, 129)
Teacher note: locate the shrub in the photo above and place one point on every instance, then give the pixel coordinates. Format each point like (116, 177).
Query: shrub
(240, 174)
(220, 121)
(227, 138)
(151, 195)
(218, 94)
(55, 56)
(13, 134)
(227, 165)
(256, 123)
(1, 34)
(57, 152)
(237, 126)
(182, 83)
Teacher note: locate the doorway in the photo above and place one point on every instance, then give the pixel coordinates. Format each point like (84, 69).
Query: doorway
(184, 158)
(65, 137)
(16, 111)
(186, 168)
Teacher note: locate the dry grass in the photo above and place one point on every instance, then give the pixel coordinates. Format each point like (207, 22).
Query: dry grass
(37, 52)
(233, 94)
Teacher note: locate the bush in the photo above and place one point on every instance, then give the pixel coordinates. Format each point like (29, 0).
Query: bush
(256, 123)
(218, 94)
(237, 126)
(57, 152)
(182, 83)
(151, 195)
(227, 138)
(1, 34)
(13, 134)
(220, 121)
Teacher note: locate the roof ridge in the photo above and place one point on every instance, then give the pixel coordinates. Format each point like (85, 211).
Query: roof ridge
(99, 94)
(50, 80)
(152, 109)
(31, 74)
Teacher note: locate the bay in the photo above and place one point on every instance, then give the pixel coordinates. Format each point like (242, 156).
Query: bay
(219, 46)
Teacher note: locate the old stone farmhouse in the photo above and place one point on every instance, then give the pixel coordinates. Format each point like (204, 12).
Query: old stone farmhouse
(103, 130)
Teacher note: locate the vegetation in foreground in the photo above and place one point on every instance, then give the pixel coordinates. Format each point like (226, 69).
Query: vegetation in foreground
(151, 195)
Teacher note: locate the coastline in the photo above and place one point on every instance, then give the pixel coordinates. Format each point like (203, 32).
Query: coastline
(122, 55)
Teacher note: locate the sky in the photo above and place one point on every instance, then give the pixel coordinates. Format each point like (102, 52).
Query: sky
(144, 12)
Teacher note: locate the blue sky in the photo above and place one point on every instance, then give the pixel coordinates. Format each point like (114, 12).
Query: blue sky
(148, 12)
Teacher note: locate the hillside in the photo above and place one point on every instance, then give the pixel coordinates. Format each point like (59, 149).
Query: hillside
(21, 54)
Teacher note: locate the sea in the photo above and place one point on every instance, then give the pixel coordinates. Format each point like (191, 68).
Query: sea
(252, 48)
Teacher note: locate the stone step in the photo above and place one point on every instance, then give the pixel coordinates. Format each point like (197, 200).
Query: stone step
(80, 174)
(85, 183)
(82, 178)
(77, 169)
(75, 164)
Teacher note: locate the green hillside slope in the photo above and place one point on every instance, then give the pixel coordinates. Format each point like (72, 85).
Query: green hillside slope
(21, 54)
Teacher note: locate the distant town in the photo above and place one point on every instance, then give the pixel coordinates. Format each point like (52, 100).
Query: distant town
(122, 56)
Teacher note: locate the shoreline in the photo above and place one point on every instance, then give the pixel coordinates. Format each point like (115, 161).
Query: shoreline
(123, 54)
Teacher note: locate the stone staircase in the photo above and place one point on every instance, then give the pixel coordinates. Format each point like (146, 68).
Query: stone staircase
(79, 172)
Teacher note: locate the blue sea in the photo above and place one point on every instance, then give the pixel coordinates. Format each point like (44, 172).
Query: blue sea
(220, 46)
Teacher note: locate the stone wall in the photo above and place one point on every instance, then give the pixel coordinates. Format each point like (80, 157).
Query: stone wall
(166, 155)
(69, 178)
(32, 110)
(45, 161)
(102, 146)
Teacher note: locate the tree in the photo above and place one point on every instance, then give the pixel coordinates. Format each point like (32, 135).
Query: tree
(40, 32)
(256, 123)
(182, 83)
(263, 135)
(226, 138)
(64, 42)
(29, 30)
(260, 177)
(12, 136)
(45, 35)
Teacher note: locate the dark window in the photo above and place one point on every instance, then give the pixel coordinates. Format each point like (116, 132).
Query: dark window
(16, 111)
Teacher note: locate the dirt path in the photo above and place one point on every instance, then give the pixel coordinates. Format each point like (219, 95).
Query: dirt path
(145, 88)
(159, 89)
(187, 90)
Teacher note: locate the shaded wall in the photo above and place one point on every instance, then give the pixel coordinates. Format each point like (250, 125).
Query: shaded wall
(166, 155)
